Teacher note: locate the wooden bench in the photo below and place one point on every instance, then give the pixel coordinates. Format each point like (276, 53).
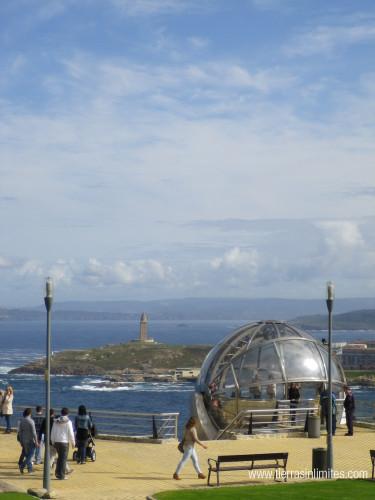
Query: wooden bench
(247, 462)
(372, 455)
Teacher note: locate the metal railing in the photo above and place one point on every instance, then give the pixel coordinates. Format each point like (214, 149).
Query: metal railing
(128, 424)
(284, 418)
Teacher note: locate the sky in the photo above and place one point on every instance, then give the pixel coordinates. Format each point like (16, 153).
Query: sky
(154, 149)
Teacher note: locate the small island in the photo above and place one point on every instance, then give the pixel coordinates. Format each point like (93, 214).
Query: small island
(129, 361)
(143, 359)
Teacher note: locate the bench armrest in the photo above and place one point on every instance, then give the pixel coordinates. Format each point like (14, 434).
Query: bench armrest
(210, 462)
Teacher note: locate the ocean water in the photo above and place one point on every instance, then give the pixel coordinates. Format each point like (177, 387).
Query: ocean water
(23, 341)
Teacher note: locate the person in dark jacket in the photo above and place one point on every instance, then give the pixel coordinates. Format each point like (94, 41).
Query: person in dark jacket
(324, 403)
(83, 425)
(294, 397)
(38, 419)
(28, 439)
(349, 405)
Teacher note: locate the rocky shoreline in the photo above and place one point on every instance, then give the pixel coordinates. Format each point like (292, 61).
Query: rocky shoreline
(131, 362)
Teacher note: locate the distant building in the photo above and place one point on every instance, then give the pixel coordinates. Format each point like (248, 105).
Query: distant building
(187, 373)
(358, 356)
(143, 329)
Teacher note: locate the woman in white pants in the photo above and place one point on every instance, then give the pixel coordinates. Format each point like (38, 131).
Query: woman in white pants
(189, 440)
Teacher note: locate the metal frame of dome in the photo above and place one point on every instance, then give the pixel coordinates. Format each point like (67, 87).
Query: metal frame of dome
(295, 356)
(242, 340)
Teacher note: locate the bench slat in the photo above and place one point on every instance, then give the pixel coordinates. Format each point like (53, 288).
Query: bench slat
(215, 465)
(252, 457)
(247, 467)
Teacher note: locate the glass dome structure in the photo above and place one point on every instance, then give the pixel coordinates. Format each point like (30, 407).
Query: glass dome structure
(254, 366)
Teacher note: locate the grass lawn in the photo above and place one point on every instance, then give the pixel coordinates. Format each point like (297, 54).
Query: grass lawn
(315, 490)
(15, 496)
(359, 373)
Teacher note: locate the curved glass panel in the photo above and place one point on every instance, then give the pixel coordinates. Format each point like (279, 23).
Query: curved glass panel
(269, 363)
(286, 331)
(246, 368)
(301, 360)
(265, 333)
(229, 386)
(336, 373)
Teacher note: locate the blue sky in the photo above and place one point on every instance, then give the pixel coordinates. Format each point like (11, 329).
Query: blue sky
(173, 148)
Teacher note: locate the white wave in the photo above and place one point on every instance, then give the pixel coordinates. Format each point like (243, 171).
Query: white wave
(5, 369)
(105, 386)
(94, 381)
(87, 387)
(160, 389)
(157, 387)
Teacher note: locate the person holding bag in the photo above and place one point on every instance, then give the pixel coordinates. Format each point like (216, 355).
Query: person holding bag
(188, 444)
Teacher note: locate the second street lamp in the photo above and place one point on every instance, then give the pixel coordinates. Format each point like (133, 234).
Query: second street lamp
(330, 299)
(48, 299)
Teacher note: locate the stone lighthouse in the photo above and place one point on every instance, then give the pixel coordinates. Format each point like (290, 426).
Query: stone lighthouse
(143, 333)
(143, 330)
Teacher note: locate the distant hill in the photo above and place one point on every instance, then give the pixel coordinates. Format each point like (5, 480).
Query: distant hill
(115, 358)
(60, 314)
(354, 320)
(190, 309)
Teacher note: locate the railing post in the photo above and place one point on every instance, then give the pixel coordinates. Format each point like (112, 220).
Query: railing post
(250, 428)
(306, 428)
(154, 428)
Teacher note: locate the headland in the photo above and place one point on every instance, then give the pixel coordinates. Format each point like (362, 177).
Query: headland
(132, 361)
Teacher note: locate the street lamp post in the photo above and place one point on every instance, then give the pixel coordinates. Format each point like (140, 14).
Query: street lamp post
(48, 299)
(330, 299)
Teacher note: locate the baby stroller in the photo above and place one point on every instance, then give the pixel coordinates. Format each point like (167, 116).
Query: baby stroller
(90, 448)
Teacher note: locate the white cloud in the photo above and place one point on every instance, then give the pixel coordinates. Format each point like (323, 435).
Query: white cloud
(62, 271)
(5, 263)
(31, 268)
(93, 272)
(123, 79)
(125, 273)
(198, 42)
(237, 259)
(341, 235)
(324, 39)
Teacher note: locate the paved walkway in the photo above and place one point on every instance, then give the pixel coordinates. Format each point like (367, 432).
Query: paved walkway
(133, 470)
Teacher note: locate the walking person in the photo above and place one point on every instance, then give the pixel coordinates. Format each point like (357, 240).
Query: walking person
(349, 405)
(324, 403)
(38, 420)
(7, 408)
(28, 439)
(189, 441)
(42, 436)
(83, 425)
(61, 436)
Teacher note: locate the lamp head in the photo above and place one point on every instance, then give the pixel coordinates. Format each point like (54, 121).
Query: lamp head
(330, 291)
(49, 287)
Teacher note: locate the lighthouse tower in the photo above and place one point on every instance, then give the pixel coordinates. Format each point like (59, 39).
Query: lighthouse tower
(143, 333)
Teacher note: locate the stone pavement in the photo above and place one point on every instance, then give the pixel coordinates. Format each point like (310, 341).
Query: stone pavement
(131, 471)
